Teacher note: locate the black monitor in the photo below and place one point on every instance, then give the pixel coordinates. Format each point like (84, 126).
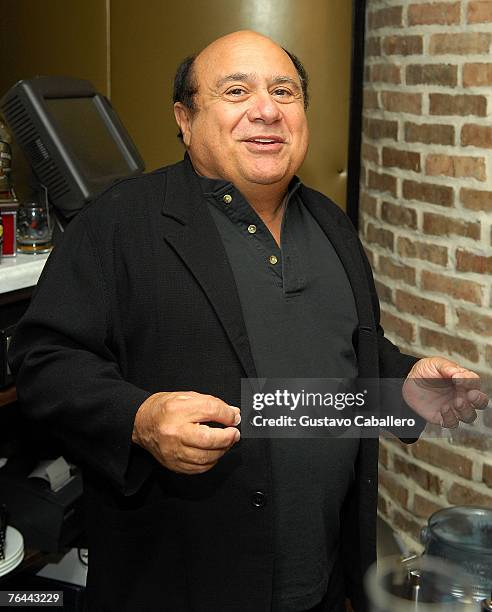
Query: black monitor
(72, 138)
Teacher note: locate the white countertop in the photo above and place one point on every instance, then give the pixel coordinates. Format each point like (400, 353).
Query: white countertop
(20, 271)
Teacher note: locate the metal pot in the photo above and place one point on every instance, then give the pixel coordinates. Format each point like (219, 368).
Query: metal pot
(463, 535)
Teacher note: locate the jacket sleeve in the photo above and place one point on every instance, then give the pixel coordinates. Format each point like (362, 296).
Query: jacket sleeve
(67, 375)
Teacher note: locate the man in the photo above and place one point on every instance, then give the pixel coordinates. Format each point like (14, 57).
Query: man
(167, 291)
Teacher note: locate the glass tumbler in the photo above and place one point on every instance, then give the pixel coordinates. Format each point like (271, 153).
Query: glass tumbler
(33, 229)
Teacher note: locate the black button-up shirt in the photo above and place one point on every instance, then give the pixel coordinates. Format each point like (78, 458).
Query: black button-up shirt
(300, 315)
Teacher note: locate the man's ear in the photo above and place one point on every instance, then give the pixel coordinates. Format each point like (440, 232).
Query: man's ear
(183, 119)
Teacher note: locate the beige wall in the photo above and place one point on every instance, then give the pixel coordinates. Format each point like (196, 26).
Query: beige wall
(130, 51)
(53, 37)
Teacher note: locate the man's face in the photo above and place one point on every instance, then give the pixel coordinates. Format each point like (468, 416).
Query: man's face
(249, 126)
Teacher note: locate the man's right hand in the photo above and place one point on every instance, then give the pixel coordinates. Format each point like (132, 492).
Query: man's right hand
(170, 426)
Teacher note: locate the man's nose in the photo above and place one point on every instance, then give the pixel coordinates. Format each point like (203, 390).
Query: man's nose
(264, 108)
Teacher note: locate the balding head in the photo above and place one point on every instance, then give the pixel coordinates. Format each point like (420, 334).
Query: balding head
(185, 86)
(244, 119)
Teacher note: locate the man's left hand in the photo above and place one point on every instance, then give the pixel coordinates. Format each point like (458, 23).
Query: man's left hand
(444, 393)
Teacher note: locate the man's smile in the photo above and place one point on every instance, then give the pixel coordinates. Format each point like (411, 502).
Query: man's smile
(264, 144)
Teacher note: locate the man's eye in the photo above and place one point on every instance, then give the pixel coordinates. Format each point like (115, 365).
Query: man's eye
(236, 91)
(281, 92)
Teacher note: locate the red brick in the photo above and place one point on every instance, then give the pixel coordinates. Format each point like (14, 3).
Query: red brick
(406, 160)
(406, 524)
(382, 182)
(385, 73)
(476, 200)
(398, 327)
(461, 105)
(380, 236)
(461, 495)
(468, 438)
(421, 250)
(440, 225)
(446, 459)
(373, 47)
(383, 456)
(394, 489)
(470, 262)
(425, 479)
(445, 75)
(370, 99)
(476, 136)
(397, 102)
(403, 45)
(424, 507)
(488, 355)
(384, 292)
(438, 13)
(370, 255)
(367, 73)
(381, 128)
(455, 166)
(473, 321)
(386, 17)
(368, 204)
(420, 307)
(370, 153)
(477, 75)
(479, 11)
(487, 475)
(429, 133)
(458, 288)
(460, 43)
(382, 506)
(399, 215)
(449, 344)
(427, 192)
(396, 271)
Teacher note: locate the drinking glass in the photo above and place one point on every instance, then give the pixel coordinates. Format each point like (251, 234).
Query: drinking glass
(33, 229)
(419, 584)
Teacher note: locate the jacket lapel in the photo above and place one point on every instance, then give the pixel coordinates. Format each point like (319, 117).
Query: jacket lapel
(190, 230)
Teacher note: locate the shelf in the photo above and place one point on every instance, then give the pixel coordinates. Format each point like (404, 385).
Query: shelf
(21, 271)
(8, 396)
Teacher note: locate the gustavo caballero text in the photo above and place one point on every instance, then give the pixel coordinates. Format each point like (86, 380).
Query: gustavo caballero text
(306, 421)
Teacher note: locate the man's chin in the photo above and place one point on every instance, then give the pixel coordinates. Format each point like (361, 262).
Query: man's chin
(260, 177)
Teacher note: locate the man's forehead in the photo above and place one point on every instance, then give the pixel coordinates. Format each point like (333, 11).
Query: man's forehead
(244, 53)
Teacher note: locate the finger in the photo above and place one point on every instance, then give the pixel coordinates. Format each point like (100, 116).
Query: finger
(478, 399)
(466, 380)
(210, 408)
(203, 437)
(464, 411)
(449, 419)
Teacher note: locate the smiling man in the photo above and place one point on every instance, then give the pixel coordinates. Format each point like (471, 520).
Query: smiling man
(168, 290)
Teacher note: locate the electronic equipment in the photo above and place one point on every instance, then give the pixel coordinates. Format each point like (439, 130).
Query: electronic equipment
(72, 138)
(48, 520)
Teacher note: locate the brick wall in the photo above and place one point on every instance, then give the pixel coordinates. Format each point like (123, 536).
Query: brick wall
(426, 222)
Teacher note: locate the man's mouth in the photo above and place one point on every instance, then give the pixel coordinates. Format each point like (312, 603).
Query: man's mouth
(265, 140)
(264, 144)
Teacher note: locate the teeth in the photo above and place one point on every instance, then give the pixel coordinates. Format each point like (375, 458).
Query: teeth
(263, 140)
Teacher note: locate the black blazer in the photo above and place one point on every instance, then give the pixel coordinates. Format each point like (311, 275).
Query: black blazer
(139, 298)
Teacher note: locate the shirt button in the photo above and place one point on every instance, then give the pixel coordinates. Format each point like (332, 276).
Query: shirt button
(258, 499)
(272, 259)
(227, 199)
(252, 229)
